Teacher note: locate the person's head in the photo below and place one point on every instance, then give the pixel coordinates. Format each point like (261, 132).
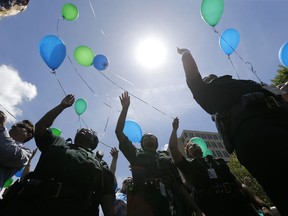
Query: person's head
(209, 78)
(100, 154)
(193, 150)
(125, 185)
(22, 131)
(149, 142)
(13, 7)
(86, 138)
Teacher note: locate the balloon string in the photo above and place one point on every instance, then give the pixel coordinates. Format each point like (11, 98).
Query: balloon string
(57, 27)
(105, 144)
(233, 66)
(214, 29)
(92, 9)
(59, 83)
(83, 122)
(135, 96)
(246, 62)
(8, 112)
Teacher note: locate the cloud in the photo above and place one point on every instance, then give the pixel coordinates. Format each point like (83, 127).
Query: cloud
(13, 91)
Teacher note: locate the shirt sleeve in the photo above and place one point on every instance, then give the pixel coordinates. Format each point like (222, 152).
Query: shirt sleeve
(12, 153)
(128, 149)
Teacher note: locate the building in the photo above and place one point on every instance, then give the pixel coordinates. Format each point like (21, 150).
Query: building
(213, 140)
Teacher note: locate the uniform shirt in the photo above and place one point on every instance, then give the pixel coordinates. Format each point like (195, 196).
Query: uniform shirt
(210, 193)
(195, 172)
(222, 93)
(73, 166)
(13, 156)
(146, 167)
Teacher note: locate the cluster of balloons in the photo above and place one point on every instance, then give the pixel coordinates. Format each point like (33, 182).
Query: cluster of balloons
(53, 50)
(211, 12)
(133, 131)
(86, 57)
(202, 144)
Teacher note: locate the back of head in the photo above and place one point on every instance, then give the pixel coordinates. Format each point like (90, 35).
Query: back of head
(86, 138)
(193, 150)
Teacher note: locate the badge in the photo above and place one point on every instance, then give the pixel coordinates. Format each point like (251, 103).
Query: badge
(212, 174)
(162, 189)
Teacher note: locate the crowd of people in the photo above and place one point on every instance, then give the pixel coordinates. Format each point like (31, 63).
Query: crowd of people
(69, 178)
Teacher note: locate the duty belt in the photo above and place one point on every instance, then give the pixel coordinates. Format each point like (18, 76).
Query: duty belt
(53, 189)
(219, 188)
(152, 183)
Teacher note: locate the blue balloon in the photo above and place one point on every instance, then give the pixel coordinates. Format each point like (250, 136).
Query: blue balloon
(229, 41)
(100, 62)
(208, 152)
(52, 51)
(19, 173)
(283, 54)
(133, 131)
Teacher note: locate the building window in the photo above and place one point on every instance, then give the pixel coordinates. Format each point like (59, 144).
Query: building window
(220, 145)
(226, 154)
(219, 154)
(208, 144)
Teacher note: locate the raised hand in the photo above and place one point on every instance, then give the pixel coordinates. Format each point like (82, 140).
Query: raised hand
(114, 153)
(68, 100)
(175, 123)
(182, 50)
(3, 119)
(125, 99)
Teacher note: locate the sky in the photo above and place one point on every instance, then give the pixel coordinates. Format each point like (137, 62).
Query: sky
(117, 29)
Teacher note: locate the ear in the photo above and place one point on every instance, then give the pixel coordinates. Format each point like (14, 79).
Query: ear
(29, 135)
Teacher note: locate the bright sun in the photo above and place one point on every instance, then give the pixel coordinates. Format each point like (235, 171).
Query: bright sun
(151, 52)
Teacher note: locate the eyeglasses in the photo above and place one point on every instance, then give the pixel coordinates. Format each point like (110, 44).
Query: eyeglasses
(20, 125)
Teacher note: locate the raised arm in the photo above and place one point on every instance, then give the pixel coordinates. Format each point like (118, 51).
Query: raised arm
(27, 166)
(190, 67)
(47, 120)
(173, 144)
(113, 165)
(125, 102)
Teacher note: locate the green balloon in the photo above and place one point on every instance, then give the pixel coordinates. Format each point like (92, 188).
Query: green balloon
(56, 131)
(208, 152)
(8, 183)
(200, 142)
(70, 12)
(84, 55)
(80, 106)
(211, 11)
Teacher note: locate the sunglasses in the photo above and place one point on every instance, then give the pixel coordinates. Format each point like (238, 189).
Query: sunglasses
(20, 125)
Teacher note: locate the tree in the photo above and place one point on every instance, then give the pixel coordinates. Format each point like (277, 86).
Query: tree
(241, 172)
(282, 75)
